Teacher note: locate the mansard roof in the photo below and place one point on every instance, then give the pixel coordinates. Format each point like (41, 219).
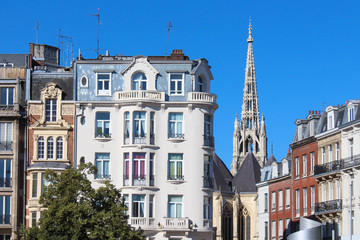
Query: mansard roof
(222, 176)
(270, 160)
(248, 175)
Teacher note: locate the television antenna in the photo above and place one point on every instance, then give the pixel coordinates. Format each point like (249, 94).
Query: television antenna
(37, 27)
(69, 45)
(167, 43)
(98, 30)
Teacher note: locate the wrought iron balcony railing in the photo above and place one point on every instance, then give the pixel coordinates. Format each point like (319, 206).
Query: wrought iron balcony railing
(208, 182)
(328, 206)
(176, 135)
(176, 177)
(337, 165)
(102, 176)
(209, 141)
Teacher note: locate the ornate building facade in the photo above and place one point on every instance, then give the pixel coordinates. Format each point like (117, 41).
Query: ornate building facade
(249, 134)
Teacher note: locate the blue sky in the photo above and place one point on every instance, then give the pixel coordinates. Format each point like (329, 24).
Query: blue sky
(306, 52)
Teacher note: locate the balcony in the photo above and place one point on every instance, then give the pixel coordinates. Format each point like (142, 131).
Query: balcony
(202, 97)
(101, 136)
(100, 176)
(176, 136)
(328, 207)
(141, 222)
(9, 110)
(5, 219)
(208, 182)
(177, 223)
(328, 167)
(6, 146)
(5, 182)
(209, 141)
(139, 180)
(140, 95)
(176, 177)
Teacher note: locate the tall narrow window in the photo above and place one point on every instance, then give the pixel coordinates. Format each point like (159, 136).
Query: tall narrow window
(152, 128)
(280, 200)
(297, 167)
(104, 84)
(59, 148)
(127, 128)
(207, 208)
(7, 97)
(151, 206)
(44, 182)
(287, 198)
(331, 191)
(304, 165)
(312, 162)
(297, 202)
(176, 125)
(288, 226)
(207, 172)
(351, 114)
(273, 202)
(139, 81)
(102, 161)
(126, 203)
(305, 201)
(5, 173)
(126, 169)
(50, 148)
(266, 231)
(312, 199)
(41, 148)
(176, 84)
(139, 127)
(200, 84)
(33, 219)
(338, 189)
(351, 144)
(208, 139)
(273, 230)
(323, 156)
(102, 125)
(281, 228)
(175, 207)
(138, 206)
(266, 202)
(152, 174)
(50, 110)
(5, 209)
(323, 186)
(330, 153)
(139, 169)
(337, 146)
(34, 185)
(175, 167)
(6, 135)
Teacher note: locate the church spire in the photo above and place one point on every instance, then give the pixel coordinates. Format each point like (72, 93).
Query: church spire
(250, 109)
(250, 136)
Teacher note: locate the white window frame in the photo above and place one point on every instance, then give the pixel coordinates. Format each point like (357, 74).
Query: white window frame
(59, 148)
(86, 85)
(176, 91)
(281, 228)
(51, 113)
(323, 155)
(304, 157)
(176, 204)
(50, 148)
(207, 213)
(177, 134)
(6, 138)
(331, 191)
(323, 194)
(41, 148)
(103, 92)
(297, 168)
(7, 100)
(297, 202)
(5, 210)
(140, 203)
(287, 198)
(34, 185)
(175, 162)
(273, 201)
(337, 149)
(139, 81)
(6, 64)
(312, 199)
(305, 199)
(102, 122)
(280, 200)
(102, 174)
(330, 153)
(351, 113)
(338, 189)
(273, 230)
(312, 163)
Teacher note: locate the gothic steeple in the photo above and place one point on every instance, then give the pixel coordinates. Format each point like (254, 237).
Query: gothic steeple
(250, 136)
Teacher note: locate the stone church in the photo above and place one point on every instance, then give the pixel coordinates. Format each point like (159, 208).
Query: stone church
(235, 196)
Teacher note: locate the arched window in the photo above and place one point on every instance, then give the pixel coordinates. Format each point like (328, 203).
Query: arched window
(227, 222)
(59, 148)
(50, 148)
(139, 81)
(41, 147)
(243, 224)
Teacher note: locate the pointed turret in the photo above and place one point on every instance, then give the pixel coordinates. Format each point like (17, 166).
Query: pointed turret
(251, 135)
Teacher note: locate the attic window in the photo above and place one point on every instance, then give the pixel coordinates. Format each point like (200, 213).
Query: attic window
(84, 83)
(351, 114)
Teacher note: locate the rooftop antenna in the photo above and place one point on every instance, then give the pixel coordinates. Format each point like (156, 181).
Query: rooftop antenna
(37, 27)
(98, 31)
(322, 106)
(167, 43)
(68, 41)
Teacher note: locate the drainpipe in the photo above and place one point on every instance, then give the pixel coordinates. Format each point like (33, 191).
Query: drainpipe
(82, 108)
(351, 195)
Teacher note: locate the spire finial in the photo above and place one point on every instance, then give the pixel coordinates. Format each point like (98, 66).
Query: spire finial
(250, 39)
(272, 149)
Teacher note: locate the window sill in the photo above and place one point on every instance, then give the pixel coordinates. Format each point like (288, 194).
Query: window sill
(103, 139)
(102, 180)
(175, 181)
(176, 140)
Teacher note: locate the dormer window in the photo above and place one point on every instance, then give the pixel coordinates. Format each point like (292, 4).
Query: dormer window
(330, 120)
(139, 81)
(50, 110)
(103, 84)
(200, 84)
(176, 84)
(351, 113)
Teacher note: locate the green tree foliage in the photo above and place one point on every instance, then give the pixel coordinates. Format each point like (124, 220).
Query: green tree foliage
(77, 211)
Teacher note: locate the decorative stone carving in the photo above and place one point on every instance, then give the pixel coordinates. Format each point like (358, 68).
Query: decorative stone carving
(51, 91)
(68, 110)
(35, 110)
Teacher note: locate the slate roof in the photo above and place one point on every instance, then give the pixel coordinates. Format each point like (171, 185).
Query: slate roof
(222, 176)
(270, 160)
(248, 175)
(19, 60)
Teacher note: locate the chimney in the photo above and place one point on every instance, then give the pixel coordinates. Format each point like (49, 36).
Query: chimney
(177, 54)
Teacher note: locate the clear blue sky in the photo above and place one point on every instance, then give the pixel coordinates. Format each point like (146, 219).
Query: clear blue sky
(306, 52)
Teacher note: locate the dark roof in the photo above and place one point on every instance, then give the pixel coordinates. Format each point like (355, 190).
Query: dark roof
(19, 60)
(248, 175)
(270, 160)
(222, 176)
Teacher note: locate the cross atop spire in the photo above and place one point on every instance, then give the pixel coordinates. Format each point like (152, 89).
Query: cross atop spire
(250, 39)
